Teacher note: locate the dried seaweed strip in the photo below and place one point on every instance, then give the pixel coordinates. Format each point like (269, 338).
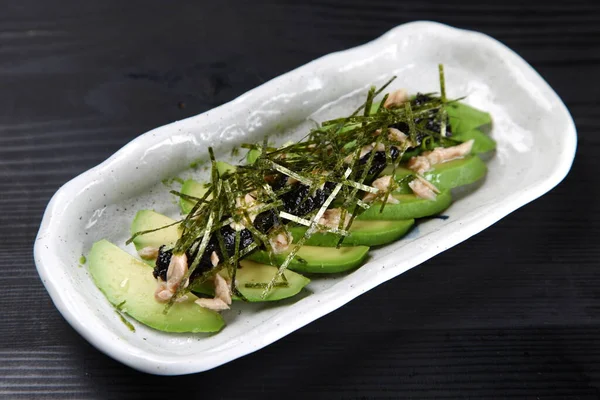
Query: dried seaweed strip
(329, 153)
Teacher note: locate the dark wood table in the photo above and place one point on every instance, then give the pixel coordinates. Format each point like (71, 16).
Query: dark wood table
(513, 312)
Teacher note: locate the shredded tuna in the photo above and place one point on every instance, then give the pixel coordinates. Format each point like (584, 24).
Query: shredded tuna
(419, 164)
(212, 304)
(423, 188)
(428, 184)
(222, 299)
(177, 269)
(424, 162)
(214, 259)
(378, 147)
(222, 290)
(331, 218)
(396, 98)
(443, 154)
(148, 253)
(247, 201)
(250, 199)
(389, 200)
(250, 205)
(280, 242)
(396, 135)
(291, 181)
(182, 299)
(364, 151)
(382, 184)
(162, 294)
(236, 226)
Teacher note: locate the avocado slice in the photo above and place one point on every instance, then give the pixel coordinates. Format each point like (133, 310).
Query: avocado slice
(315, 259)
(191, 188)
(154, 239)
(194, 188)
(448, 175)
(457, 173)
(251, 272)
(252, 156)
(126, 281)
(464, 118)
(469, 123)
(362, 233)
(482, 143)
(410, 206)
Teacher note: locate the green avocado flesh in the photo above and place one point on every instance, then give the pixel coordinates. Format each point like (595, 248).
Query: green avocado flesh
(252, 156)
(457, 173)
(362, 233)
(464, 118)
(251, 272)
(482, 143)
(410, 206)
(468, 123)
(196, 189)
(224, 167)
(141, 222)
(191, 188)
(315, 259)
(451, 174)
(126, 281)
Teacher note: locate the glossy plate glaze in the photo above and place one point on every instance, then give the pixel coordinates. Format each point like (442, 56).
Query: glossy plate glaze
(536, 145)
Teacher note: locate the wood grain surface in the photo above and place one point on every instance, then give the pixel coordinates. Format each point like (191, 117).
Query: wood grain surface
(512, 313)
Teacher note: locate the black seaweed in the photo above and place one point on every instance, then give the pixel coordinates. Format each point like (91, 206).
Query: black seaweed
(297, 201)
(162, 263)
(379, 161)
(431, 120)
(228, 233)
(266, 220)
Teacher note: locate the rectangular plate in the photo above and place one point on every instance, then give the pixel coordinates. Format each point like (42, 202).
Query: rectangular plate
(536, 145)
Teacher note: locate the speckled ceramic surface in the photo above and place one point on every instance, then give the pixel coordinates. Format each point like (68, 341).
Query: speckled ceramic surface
(536, 145)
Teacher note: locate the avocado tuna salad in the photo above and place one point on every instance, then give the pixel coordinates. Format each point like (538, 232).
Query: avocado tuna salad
(311, 207)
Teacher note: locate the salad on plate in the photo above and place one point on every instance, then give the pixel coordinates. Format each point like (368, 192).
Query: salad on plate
(260, 230)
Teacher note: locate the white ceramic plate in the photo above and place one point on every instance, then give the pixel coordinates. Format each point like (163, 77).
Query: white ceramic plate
(536, 145)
